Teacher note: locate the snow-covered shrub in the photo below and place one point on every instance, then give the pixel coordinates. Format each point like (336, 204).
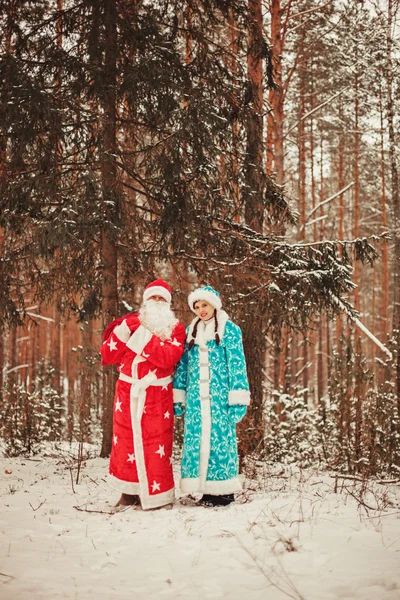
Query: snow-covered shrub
(293, 430)
(355, 428)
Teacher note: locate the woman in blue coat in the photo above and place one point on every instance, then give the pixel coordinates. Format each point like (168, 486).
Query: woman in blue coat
(212, 390)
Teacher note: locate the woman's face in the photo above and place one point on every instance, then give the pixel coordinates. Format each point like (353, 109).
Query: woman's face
(204, 310)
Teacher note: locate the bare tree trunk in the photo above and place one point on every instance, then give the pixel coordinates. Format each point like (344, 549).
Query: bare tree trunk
(339, 321)
(384, 245)
(109, 182)
(356, 206)
(276, 96)
(302, 197)
(235, 126)
(254, 212)
(253, 342)
(395, 193)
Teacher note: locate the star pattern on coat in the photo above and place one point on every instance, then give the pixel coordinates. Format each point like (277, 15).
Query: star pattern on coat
(153, 362)
(155, 487)
(113, 345)
(160, 451)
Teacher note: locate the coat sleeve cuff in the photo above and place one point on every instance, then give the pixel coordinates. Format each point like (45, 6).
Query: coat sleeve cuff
(122, 331)
(239, 397)
(179, 396)
(139, 340)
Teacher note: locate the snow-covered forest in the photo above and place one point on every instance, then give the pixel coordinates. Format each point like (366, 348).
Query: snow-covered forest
(244, 144)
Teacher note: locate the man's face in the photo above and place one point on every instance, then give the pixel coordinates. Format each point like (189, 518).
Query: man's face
(157, 298)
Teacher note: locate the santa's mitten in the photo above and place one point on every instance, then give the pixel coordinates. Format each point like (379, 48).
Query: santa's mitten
(133, 322)
(179, 409)
(237, 412)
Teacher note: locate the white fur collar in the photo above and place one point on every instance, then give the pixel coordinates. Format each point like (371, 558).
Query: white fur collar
(206, 331)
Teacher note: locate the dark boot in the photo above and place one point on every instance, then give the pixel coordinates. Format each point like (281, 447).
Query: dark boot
(211, 500)
(128, 500)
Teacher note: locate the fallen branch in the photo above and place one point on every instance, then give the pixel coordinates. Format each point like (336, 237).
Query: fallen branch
(361, 501)
(100, 512)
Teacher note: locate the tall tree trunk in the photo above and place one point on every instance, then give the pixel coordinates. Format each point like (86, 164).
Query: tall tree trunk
(109, 183)
(254, 212)
(395, 193)
(302, 194)
(235, 125)
(356, 204)
(384, 245)
(277, 96)
(339, 321)
(56, 332)
(253, 338)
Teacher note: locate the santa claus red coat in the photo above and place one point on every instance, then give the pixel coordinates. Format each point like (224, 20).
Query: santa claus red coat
(143, 420)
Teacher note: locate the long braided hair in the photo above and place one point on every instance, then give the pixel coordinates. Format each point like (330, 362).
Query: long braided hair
(194, 332)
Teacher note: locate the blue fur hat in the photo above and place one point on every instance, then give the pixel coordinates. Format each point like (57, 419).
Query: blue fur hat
(206, 293)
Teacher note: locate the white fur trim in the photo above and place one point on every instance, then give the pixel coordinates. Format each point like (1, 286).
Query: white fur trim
(157, 500)
(205, 418)
(179, 396)
(157, 290)
(223, 318)
(122, 331)
(136, 405)
(125, 487)
(139, 340)
(239, 397)
(138, 359)
(219, 488)
(209, 297)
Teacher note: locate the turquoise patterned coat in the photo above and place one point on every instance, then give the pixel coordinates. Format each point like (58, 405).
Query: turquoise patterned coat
(211, 388)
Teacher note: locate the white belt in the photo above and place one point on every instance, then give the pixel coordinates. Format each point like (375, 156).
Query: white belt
(139, 387)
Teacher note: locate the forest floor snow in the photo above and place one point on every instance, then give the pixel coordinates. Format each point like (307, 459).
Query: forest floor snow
(292, 534)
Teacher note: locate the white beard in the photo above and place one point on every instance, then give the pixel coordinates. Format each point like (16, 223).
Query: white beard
(158, 318)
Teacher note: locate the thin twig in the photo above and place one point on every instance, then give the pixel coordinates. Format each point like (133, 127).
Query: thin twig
(100, 512)
(35, 509)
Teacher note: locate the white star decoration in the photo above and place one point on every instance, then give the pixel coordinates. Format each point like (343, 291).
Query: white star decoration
(175, 342)
(115, 439)
(161, 343)
(170, 460)
(145, 355)
(113, 345)
(165, 387)
(131, 458)
(166, 415)
(118, 404)
(156, 487)
(160, 451)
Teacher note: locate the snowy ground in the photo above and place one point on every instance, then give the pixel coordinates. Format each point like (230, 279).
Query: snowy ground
(290, 535)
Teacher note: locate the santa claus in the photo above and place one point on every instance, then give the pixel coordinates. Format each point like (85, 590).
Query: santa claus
(146, 347)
